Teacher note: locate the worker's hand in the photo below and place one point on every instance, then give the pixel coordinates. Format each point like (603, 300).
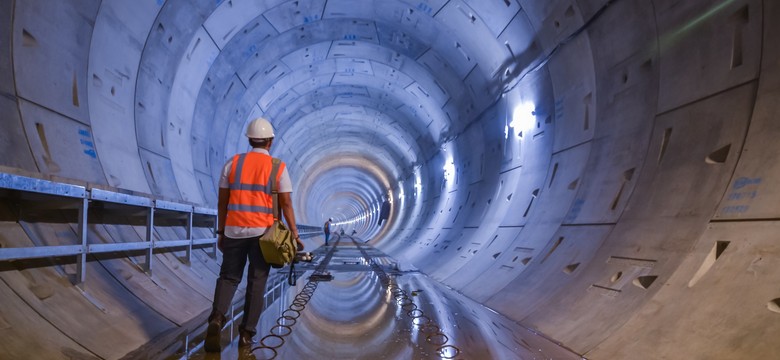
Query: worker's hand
(219, 242)
(300, 243)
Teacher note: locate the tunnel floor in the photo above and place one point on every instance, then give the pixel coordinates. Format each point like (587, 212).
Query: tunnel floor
(371, 309)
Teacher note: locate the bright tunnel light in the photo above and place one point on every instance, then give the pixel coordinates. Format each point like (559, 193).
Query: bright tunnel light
(523, 117)
(449, 170)
(417, 183)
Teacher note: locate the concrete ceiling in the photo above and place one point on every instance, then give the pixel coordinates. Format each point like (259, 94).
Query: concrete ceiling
(574, 165)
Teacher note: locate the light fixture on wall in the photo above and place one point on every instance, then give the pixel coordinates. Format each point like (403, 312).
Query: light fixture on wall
(417, 184)
(449, 169)
(523, 117)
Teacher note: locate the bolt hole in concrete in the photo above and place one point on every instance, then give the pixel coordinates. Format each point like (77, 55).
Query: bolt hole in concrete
(718, 156)
(774, 305)
(644, 282)
(617, 276)
(570, 268)
(715, 253)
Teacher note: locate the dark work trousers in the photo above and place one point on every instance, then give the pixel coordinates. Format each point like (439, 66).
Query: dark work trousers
(327, 236)
(234, 255)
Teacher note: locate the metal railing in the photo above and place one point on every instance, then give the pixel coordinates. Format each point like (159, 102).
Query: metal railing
(72, 197)
(308, 230)
(39, 190)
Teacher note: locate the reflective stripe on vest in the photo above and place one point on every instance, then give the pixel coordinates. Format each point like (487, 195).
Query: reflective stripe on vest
(250, 203)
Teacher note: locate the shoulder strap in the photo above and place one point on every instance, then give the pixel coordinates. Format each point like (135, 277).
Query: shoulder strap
(274, 191)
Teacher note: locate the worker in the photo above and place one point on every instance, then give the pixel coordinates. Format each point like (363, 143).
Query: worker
(385, 212)
(244, 214)
(326, 230)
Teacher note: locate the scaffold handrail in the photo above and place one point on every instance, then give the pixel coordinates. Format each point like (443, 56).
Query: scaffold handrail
(86, 194)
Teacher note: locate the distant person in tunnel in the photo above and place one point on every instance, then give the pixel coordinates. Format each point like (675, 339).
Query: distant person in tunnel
(326, 230)
(384, 213)
(245, 213)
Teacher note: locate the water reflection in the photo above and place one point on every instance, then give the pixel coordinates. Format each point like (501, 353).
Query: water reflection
(381, 313)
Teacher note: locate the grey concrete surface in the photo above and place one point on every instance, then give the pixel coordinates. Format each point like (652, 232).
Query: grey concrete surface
(600, 172)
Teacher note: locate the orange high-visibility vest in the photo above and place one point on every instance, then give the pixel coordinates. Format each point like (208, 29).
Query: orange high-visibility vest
(250, 203)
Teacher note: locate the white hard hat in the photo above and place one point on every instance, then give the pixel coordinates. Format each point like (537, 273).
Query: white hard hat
(260, 129)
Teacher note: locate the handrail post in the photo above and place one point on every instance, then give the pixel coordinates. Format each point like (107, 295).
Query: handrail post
(149, 239)
(81, 263)
(189, 237)
(216, 227)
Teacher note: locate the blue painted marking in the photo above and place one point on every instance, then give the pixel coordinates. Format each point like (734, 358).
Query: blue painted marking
(743, 195)
(90, 146)
(559, 108)
(743, 181)
(250, 50)
(735, 209)
(424, 8)
(575, 209)
(350, 37)
(308, 19)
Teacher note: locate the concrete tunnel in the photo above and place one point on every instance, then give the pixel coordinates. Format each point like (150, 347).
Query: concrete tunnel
(566, 179)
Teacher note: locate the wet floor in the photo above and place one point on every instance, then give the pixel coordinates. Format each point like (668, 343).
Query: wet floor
(372, 310)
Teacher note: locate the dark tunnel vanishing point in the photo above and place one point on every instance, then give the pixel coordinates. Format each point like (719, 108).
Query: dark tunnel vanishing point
(544, 179)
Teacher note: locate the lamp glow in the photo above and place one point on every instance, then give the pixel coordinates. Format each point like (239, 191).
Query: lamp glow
(523, 116)
(449, 170)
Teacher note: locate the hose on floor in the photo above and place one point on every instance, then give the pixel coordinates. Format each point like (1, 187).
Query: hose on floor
(433, 333)
(284, 323)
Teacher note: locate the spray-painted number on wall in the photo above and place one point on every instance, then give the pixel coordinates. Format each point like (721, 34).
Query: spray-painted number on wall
(86, 141)
(576, 208)
(735, 209)
(743, 195)
(424, 8)
(744, 189)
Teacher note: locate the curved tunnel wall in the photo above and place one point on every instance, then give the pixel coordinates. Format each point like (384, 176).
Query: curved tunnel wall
(600, 171)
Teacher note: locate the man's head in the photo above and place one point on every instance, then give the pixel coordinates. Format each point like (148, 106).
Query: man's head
(260, 133)
(329, 220)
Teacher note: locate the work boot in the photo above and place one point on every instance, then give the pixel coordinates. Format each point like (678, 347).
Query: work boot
(214, 332)
(245, 338)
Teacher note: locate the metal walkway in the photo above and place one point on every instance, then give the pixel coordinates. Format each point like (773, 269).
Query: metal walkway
(373, 310)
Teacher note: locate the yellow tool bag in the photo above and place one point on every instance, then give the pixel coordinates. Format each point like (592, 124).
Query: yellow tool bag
(277, 244)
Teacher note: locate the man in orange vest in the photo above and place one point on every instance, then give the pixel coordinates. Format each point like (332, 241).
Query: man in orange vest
(245, 212)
